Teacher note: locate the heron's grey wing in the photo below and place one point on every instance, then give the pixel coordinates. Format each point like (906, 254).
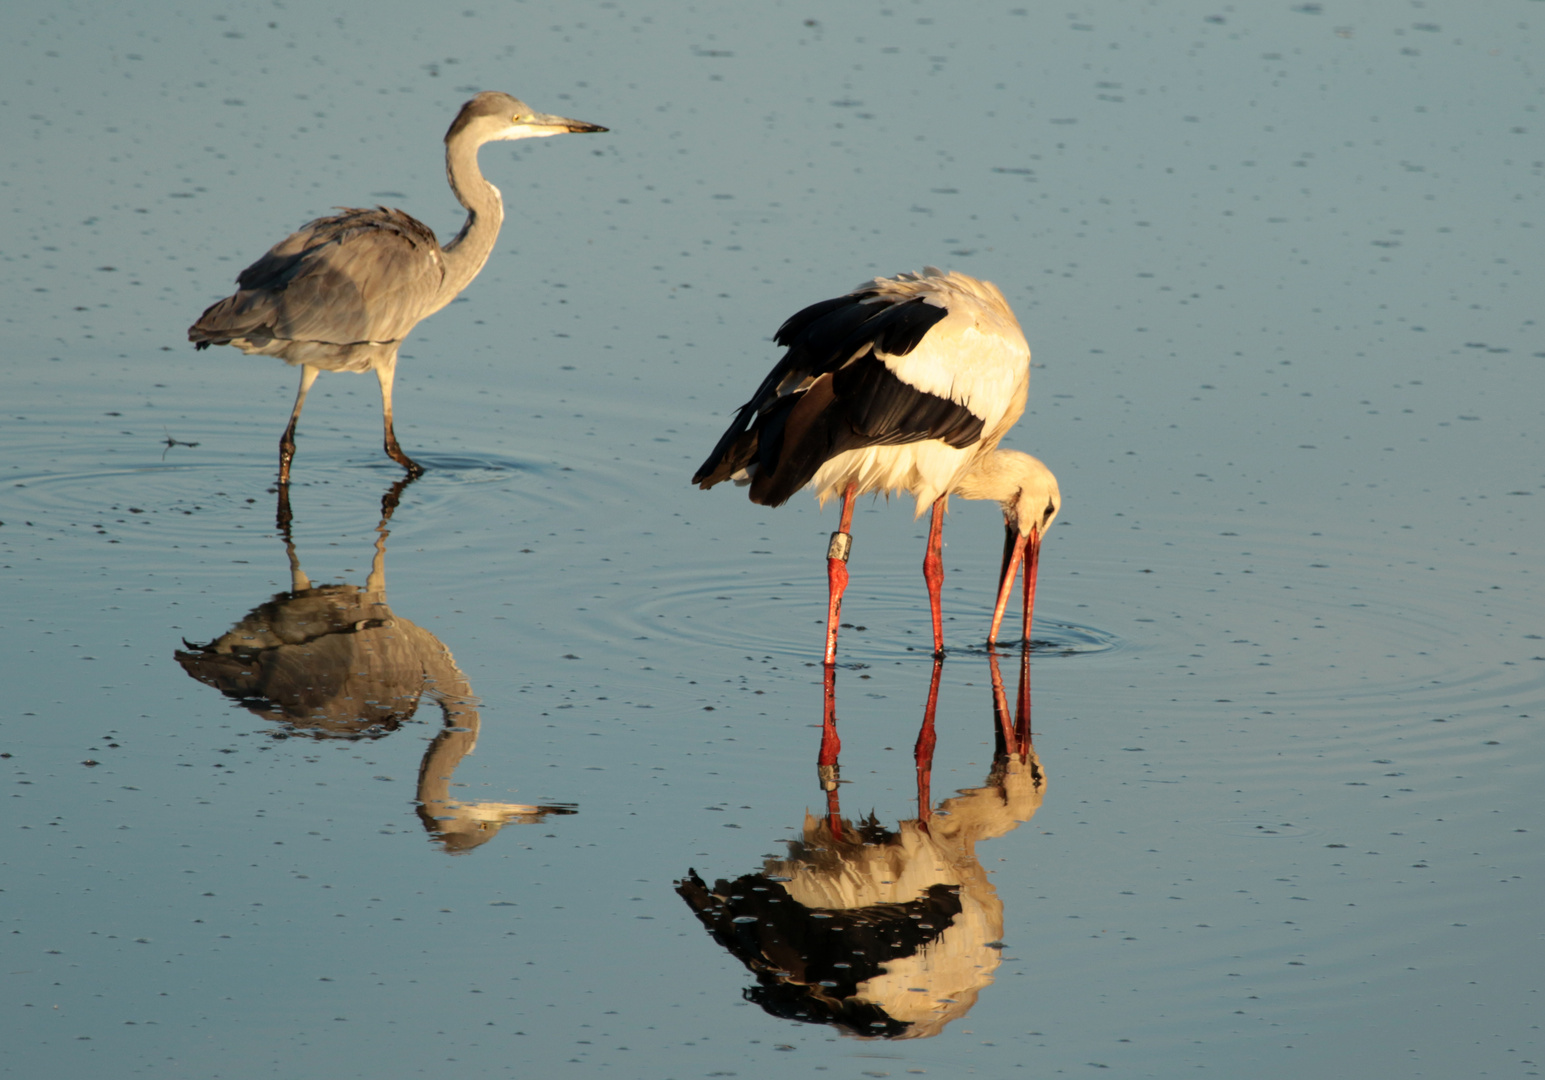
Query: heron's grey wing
(359, 276)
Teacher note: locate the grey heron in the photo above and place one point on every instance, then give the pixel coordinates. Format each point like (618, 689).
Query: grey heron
(905, 384)
(342, 292)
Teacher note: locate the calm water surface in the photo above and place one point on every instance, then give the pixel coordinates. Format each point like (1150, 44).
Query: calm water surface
(483, 785)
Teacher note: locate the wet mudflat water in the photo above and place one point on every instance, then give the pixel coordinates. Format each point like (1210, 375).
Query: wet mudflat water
(1279, 270)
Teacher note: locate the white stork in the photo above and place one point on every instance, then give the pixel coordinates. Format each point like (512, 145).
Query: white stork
(905, 384)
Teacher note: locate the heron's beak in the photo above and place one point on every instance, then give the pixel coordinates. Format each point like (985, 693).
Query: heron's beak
(562, 125)
(1014, 543)
(542, 125)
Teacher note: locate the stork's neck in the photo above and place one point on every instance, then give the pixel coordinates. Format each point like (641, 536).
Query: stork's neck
(466, 254)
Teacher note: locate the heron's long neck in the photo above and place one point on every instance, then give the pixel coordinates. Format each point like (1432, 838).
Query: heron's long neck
(466, 254)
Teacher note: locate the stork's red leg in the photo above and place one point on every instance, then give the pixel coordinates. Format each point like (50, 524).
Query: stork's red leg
(837, 572)
(933, 573)
(922, 752)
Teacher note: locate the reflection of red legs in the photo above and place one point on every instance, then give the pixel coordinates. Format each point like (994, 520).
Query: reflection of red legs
(834, 814)
(831, 746)
(1022, 712)
(933, 573)
(922, 753)
(837, 572)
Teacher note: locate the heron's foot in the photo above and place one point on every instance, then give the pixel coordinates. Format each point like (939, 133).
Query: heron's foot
(414, 469)
(393, 451)
(286, 455)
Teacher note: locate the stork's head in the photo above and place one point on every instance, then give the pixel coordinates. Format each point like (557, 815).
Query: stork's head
(1021, 484)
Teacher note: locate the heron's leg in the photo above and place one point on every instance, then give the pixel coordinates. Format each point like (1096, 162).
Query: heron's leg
(837, 572)
(1032, 564)
(308, 375)
(1013, 554)
(933, 572)
(387, 374)
(922, 752)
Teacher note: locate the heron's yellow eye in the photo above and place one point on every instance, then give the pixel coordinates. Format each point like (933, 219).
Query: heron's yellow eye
(517, 118)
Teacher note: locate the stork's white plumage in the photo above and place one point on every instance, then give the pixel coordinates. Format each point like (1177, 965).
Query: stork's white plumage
(904, 384)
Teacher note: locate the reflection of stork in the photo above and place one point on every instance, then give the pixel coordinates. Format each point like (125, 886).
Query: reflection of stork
(888, 933)
(343, 292)
(333, 661)
(904, 384)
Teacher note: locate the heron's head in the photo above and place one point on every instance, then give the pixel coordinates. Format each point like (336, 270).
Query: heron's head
(1021, 484)
(493, 115)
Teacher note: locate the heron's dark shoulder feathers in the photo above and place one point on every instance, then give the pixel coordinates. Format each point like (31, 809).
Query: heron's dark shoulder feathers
(361, 275)
(381, 229)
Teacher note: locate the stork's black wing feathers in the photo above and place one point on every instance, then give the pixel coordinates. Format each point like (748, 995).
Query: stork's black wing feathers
(826, 337)
(813, 337)
(797, 323)
(869, 406)
(879, 409)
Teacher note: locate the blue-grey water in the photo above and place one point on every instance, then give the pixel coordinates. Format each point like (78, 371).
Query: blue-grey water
(1279, 266)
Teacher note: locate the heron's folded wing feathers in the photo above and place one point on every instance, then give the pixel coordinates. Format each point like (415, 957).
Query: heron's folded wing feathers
(359, 276)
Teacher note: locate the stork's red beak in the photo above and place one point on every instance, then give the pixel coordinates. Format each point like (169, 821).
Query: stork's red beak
(1032, 564)
(1013, 554)
(1017, 548)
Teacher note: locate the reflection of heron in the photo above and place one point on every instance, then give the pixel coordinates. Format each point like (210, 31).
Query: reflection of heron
(881, 932)
(904, 384)
(333, 661)
(343, 292)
